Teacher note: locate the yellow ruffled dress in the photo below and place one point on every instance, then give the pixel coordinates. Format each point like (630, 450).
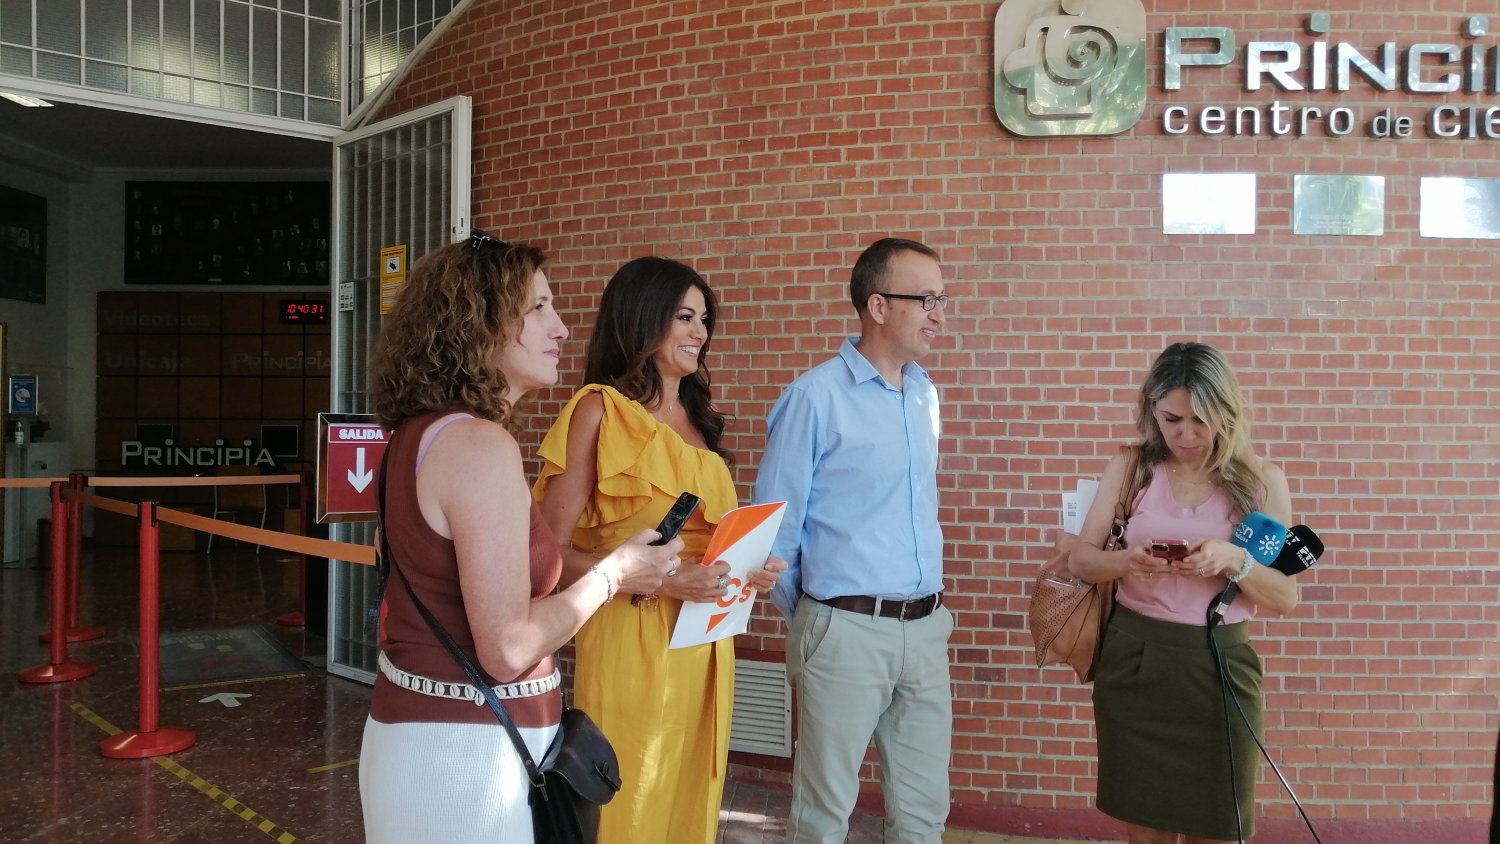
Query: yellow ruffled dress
(665, 711)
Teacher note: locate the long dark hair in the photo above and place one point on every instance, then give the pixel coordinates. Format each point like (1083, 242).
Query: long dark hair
(635, 314)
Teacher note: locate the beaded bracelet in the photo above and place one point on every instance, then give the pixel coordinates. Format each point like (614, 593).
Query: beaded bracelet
(1245, 565)
(610, 584)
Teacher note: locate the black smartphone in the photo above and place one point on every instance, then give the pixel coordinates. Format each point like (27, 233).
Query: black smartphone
(1169, 549)
(676, 517)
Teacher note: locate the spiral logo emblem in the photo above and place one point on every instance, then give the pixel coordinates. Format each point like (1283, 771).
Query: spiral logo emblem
(1070, 67)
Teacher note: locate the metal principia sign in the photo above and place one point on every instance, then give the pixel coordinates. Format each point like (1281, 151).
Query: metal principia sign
(1077, 68)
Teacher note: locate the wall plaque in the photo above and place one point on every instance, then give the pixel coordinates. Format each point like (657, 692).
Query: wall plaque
(1454, 207)
(1338, 204)
(1208, 203)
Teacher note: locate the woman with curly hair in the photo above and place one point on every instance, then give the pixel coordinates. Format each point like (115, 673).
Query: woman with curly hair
(472, 333)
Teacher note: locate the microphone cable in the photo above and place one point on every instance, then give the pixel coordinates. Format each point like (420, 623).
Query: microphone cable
(1226, 693)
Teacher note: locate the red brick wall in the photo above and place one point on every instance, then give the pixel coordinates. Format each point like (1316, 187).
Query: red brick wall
(766, 143)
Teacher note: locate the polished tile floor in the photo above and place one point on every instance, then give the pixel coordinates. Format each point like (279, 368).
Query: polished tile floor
(279, 765)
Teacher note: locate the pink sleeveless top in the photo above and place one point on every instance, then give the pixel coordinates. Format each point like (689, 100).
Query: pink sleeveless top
(1178, 598)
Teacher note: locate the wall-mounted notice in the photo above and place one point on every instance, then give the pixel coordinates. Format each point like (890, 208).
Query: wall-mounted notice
(1338, 204)
(1460, 208)
(1208, 203)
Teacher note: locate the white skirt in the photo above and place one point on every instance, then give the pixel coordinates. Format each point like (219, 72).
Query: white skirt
(446, 782)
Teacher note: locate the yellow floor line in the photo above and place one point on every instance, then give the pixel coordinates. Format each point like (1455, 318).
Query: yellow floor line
(233, 682)
(223, 798)
(344, 764)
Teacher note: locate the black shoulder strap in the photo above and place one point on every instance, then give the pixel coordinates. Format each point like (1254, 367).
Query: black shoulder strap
(470, 669)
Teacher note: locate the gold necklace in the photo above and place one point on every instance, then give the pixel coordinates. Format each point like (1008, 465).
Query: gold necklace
(1201, 481)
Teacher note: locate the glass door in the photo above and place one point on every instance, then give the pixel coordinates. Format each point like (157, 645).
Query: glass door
(400, 183)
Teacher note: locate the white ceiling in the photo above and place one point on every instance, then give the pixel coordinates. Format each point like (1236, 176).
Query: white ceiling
(101, 138)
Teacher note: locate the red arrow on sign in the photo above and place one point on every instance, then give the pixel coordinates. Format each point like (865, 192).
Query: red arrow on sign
(351, 453)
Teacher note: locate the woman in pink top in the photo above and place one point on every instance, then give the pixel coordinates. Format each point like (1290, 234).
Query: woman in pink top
(1171, 766)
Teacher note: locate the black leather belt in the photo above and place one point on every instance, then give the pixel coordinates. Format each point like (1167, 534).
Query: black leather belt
(908, 610)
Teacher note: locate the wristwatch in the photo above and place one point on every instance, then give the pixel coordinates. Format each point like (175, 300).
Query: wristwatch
(1246, 564)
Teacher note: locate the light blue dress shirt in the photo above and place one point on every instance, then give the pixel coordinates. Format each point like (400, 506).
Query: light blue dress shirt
(856, 461)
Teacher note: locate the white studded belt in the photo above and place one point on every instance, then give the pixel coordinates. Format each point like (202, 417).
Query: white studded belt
(465, 691)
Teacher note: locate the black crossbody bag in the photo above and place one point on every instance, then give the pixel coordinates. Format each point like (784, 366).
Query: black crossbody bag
(579, 772)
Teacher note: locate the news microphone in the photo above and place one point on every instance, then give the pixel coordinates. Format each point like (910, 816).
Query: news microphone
(1262, 537)
(1299, 552)
(1302, 550)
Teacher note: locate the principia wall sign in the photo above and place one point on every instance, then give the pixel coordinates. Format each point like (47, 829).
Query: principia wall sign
(1078, 67)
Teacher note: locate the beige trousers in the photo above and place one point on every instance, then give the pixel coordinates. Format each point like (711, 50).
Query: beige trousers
(857, 676)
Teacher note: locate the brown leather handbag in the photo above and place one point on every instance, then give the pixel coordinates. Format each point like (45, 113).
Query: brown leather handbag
(1068, 615)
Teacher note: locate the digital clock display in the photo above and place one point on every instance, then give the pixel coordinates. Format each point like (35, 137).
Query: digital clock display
(304, 310)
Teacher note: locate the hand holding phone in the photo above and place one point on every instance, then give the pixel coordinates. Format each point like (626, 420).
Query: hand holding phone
(671, 524)
(676, 517)
(1171, 550)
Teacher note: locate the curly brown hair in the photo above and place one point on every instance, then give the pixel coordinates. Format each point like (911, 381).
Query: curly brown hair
(463, 302)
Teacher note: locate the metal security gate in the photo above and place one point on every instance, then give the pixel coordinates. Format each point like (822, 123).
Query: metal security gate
(400, 182)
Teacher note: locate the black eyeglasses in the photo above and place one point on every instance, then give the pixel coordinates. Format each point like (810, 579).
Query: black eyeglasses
(478, 238)
(928, 300)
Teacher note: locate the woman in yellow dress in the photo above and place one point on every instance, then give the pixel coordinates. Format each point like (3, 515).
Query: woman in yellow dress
(641, 432)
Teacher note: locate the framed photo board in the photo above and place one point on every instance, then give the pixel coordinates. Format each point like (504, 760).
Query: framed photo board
(23, 246)
(270, 233)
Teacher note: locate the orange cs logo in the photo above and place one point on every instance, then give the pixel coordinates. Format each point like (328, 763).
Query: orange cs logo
(730, 597)
(1070, 67)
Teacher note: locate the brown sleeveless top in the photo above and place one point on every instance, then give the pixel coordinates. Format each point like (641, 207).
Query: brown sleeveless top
(428, 559)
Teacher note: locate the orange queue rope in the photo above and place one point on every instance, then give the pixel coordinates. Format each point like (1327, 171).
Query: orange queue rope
(28, 483)
(68, 500)
(197, 480)
(349, 552)
(75, 497)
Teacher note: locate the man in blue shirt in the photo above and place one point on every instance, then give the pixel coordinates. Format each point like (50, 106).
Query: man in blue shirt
(852, 447)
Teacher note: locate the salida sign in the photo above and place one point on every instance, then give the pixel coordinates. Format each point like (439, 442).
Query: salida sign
(350, 447)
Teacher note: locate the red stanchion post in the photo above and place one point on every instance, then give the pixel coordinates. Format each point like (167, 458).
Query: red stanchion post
(74, 549)
(77, 632)
(59, 669)
(298, 617)
(149, 739)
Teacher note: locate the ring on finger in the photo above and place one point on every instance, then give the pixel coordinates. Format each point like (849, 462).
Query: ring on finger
(723, 581)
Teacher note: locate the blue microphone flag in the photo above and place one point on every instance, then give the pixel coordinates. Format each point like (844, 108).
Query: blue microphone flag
(1261, 535)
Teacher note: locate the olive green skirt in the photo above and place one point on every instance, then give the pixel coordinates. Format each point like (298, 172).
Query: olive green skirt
(1164, 762)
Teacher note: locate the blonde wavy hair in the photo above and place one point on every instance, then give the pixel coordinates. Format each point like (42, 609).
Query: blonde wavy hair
(462, 304)
(1215, 394)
